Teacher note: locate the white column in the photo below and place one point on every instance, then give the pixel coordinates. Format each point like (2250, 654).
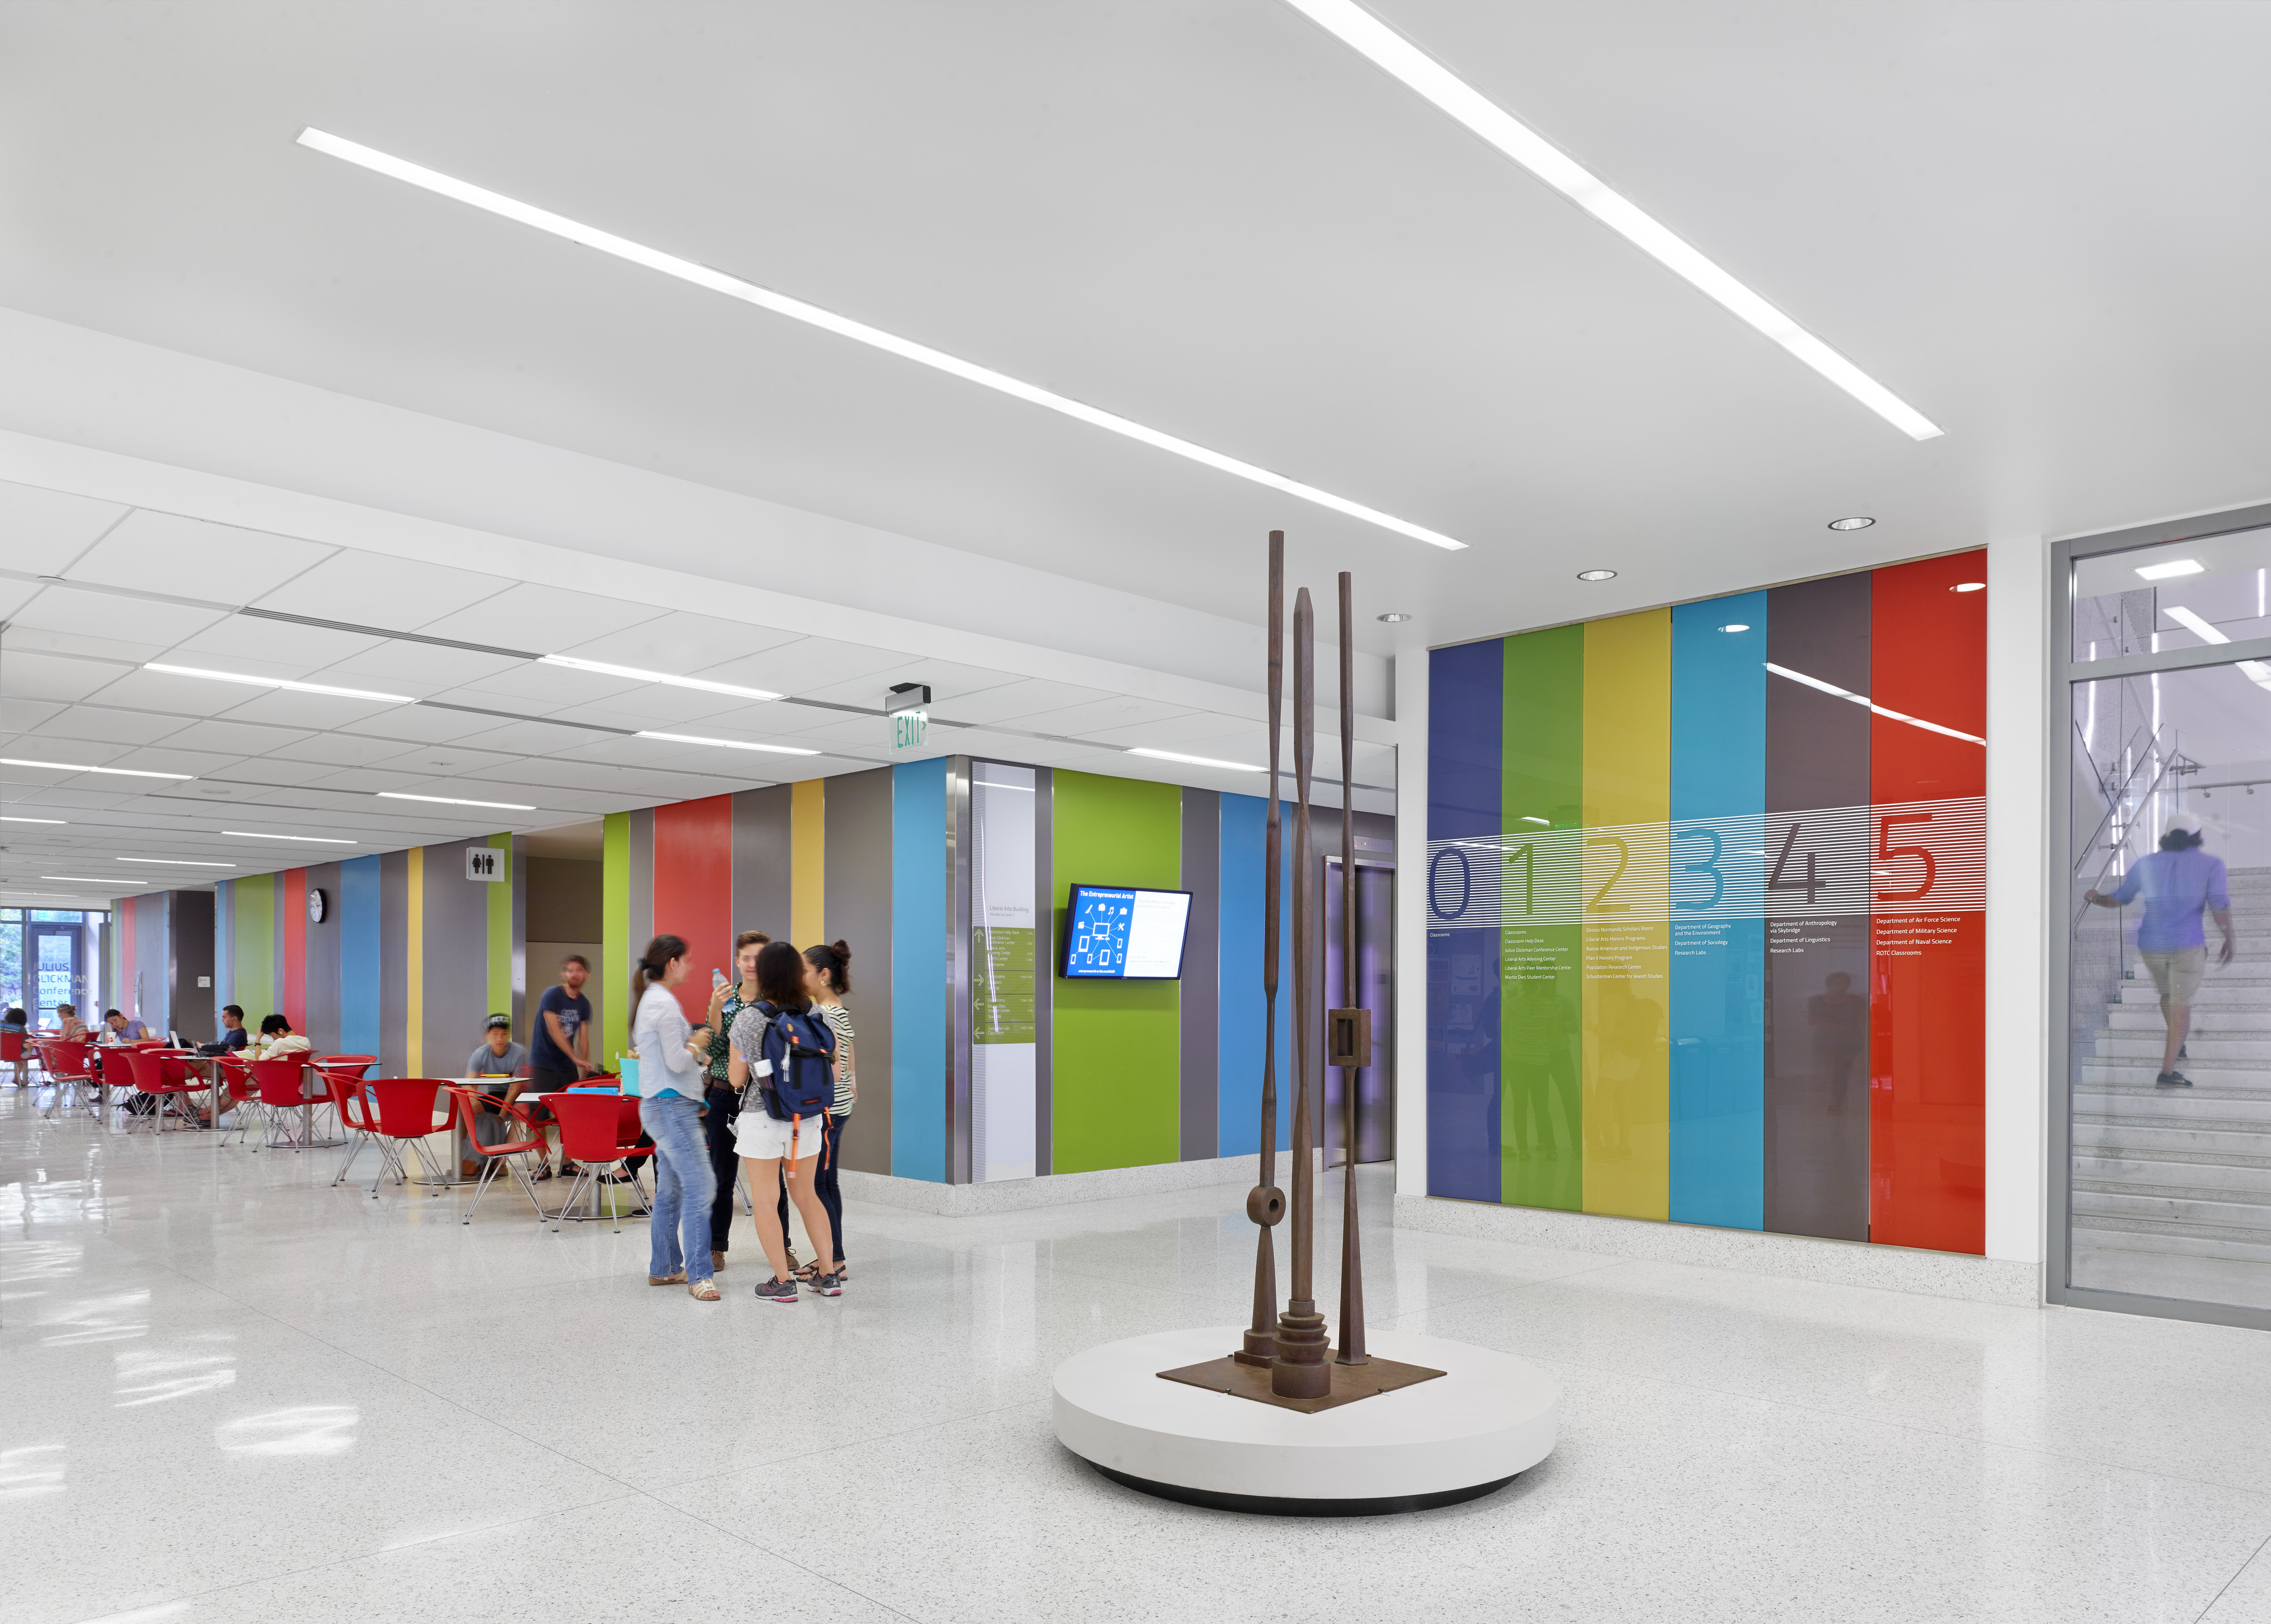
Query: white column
(1411, 923)
(2020, 698)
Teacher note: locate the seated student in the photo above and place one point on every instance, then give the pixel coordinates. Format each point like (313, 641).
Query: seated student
(277, 1039)
(121, 1029)
(233, 1035)
(500, 1057)
(20, 1023)
(67, 1023)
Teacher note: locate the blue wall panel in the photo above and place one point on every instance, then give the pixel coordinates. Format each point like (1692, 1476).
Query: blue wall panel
(1465, 746)
(1238, 1099)
(359, 957)
(919, 977)
(1718, 965)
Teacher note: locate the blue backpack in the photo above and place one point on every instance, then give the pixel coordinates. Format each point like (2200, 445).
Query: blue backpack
(802, 1049)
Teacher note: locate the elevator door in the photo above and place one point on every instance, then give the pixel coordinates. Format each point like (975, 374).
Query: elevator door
(1375, 990)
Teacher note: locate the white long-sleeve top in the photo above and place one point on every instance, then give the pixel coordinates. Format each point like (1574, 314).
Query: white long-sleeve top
(659, 1034)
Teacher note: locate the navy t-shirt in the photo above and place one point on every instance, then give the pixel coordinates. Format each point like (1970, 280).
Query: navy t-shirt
(574, 1011)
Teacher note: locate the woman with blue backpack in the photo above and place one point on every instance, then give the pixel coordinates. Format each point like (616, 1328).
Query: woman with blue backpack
(784, 1063)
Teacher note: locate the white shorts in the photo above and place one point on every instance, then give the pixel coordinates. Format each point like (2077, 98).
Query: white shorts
(759, 1137)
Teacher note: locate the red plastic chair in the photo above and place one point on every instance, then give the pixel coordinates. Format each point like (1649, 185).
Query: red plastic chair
(350, 1102)
(279, 1087)
(69, 1065)
(401, 1114)
(156, 1079)
(470, 1104)
(232, 1078)
(596, 1131)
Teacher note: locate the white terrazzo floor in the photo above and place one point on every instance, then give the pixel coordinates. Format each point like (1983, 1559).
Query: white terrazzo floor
(228, 1391)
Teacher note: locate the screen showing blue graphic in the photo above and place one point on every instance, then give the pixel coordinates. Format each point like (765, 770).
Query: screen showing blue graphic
(1118, 934)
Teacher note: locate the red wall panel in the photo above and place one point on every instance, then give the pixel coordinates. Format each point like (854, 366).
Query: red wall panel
(694, 890)
(292, 975)
(1927, 1020)
(122, 996)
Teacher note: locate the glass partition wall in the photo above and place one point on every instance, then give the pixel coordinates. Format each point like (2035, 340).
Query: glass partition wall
(2160, 1142)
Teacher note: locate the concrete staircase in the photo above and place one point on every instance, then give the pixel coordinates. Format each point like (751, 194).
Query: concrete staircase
(2172, 1187)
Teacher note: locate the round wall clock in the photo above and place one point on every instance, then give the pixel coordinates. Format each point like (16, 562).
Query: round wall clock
(315, 905)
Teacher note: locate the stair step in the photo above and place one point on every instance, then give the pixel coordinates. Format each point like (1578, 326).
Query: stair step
(2170, 1241)
(2204, 1051)
(2236, 1144)
(2121, 1074)
(2175, 1206)
(2209, 1020)
(2145, 1105)
(2205, 1180)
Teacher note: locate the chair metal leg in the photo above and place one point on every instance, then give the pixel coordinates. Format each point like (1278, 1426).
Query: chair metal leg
(361, 1138)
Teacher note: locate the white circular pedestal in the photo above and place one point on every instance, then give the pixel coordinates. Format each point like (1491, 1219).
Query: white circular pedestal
(1489, 1416)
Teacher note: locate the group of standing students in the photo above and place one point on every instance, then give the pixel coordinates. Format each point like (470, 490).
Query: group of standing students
(703, 1103)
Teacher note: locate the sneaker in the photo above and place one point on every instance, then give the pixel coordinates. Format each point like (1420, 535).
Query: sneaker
(777, 1291)
(830, 1285)
(2172, 1079)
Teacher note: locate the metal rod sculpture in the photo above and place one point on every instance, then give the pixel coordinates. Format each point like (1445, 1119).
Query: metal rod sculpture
(1352, 1027)
(1265, 1204)
(1301, 1370)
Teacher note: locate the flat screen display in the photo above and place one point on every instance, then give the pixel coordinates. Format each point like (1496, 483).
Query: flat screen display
(1116, 933)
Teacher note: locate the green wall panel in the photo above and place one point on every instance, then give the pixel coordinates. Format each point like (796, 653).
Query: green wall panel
(252, 966)
(1115, 1047)
(1541, 1143)
(500, 933)
(615, 937)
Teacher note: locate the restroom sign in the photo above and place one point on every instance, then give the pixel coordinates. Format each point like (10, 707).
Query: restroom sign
(484, 862)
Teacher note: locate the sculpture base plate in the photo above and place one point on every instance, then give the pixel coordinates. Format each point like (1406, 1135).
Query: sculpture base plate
(1487, 1417)
(1351, 1383)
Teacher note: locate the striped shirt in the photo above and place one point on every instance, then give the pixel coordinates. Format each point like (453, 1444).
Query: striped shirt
(839, 1022)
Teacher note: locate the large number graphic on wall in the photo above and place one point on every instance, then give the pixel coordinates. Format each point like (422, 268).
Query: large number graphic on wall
(1706, 912)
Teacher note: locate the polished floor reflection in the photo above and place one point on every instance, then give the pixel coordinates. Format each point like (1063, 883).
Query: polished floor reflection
(232, 1392)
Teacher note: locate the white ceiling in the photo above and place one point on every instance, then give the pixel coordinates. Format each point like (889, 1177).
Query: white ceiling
(98, 591)
(2029, 220)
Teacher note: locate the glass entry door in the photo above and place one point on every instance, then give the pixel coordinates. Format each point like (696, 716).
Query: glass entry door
(2162, 1148)
(54, 969)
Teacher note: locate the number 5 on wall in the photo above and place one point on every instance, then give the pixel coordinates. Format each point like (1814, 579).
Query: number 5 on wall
(1888, 853)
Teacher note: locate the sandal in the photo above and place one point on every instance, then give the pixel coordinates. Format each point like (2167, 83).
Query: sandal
(668, 1279)
(704, 1291)
(807, 1274)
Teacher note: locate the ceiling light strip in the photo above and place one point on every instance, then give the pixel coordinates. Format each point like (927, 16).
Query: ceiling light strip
(636, 675)
(452, 800)
(827, 321)
(65, 766)
(176, 862)
(253, 834)
(1835, 692)
(727, 744)
(1385, 49)
(259, 682)
(1199, 761)
(2254, 670)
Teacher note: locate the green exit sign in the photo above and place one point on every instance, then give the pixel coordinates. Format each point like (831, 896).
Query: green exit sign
(907, 730)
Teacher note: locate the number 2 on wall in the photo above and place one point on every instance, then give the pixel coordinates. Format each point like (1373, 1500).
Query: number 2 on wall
(1624, 857)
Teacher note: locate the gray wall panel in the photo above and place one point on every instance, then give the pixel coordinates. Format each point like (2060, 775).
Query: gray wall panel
(190, 922)
(857, 909)
(324, 961)
(642, 894)
(761, 861)
(1201, 990)
(566, 900)
(393, 962)
(456, 981)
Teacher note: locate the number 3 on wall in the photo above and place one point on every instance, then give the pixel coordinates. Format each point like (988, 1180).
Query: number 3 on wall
(1888, 853)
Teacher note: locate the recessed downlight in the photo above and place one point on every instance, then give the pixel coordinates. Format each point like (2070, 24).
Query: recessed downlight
(843, 326)
(1596, 575)
(1855, 523)
(1969, 586)
(1392, 620)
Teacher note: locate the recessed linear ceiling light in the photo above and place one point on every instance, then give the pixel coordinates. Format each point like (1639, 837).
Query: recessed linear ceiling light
(88, 879)
(728, 744)
(2254, 670)
(66, 766)
(1855, 523)
(843, 326)
(176, 862)
(1969, 586)
(1371, 38)
(31, 819)
(1394, 619)
(451, 801)
(1596, 575)
(636, 675)
(2174, 568)
(297, 688)
(1199, 761)
(252, 834)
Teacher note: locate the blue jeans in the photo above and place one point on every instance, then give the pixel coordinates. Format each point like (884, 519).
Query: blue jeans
(684, 1187)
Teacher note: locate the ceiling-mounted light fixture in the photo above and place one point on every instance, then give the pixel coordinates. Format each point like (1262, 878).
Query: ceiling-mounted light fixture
(1375, 41)
(250, 834)
(1969, 586)
(451, 801)
(66, 766)
(1393, 620)
(1856, 523)
(176, 862)
(843, 326)
(31, 819)
(2170, 571)
(727, 744)
(636, 675)
(297, 688)
(1596, 575)
(1199, 761)
(88, 879)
